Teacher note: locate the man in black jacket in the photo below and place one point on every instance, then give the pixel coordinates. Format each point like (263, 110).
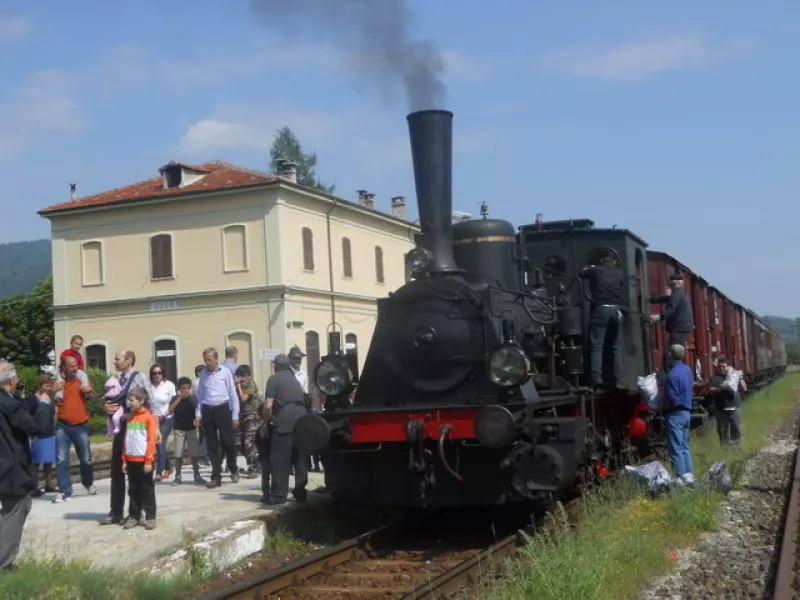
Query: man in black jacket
(677, 314)
(17, 424)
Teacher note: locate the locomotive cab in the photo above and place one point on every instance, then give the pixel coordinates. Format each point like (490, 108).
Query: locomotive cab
(560, 249)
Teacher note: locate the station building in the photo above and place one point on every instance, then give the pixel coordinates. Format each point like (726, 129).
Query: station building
(215, 254)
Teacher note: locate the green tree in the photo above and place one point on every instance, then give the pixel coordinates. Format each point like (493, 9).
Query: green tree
(793, 353)
(285, 145)
(26, 326)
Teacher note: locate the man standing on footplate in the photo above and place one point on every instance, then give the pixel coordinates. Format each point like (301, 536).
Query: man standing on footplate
(677, 315)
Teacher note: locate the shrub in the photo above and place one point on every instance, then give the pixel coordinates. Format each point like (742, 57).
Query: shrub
(98, 425)
(28, 375)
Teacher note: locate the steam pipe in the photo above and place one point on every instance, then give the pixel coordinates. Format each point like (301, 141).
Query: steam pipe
(431, 133)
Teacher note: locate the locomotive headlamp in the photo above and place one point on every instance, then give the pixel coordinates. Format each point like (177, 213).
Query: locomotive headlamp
(417, 261)
(508, 366)
(333, 376)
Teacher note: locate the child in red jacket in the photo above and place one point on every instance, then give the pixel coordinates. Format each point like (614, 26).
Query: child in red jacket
(137, 460)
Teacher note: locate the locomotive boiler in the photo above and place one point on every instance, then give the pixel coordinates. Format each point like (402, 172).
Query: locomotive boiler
(472, 391)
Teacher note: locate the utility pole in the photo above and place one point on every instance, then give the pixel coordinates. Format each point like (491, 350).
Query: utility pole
(797, 330)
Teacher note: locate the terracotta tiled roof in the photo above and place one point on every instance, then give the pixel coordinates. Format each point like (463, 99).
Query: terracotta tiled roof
(219, 176)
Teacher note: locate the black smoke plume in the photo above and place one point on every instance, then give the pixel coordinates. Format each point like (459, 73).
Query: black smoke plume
(379, 34)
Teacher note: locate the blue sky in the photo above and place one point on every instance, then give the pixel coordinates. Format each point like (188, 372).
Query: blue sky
(677, 121)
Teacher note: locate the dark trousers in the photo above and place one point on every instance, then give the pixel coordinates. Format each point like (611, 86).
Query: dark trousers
(217, 424)
(729, 427)
(604, 326)
(13, 513)
(141, 491)
(117, 476)
(263, 447)
(282, 457)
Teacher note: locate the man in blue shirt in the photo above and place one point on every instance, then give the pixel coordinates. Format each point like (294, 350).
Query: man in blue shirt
(677, 413)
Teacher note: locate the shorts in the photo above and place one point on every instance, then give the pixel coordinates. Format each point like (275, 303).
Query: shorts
(190, 438)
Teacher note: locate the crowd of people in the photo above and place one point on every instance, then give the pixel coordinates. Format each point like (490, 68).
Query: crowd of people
(216, 416)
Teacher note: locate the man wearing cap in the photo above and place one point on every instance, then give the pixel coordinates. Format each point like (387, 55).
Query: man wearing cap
(295, 359)
(249, 422)
(677, 314)
(284, 405)
(677, 409)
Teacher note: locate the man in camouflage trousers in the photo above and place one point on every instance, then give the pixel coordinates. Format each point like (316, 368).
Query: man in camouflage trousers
(249, 420)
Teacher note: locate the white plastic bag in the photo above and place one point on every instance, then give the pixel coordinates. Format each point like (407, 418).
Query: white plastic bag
(732, 379)
(648, 388)
(654, 473)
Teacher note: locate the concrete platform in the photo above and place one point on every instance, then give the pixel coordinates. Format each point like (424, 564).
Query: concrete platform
(71, 530)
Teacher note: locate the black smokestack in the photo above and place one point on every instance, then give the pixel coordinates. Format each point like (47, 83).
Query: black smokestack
(376, 33)
(431, 134)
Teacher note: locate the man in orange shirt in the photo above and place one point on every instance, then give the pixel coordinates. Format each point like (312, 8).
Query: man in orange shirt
(72, 428)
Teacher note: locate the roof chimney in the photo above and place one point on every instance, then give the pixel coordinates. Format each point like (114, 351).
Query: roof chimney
(369, 200)
(362, 197)
(287, 169)
(399, 207)
(73, 193)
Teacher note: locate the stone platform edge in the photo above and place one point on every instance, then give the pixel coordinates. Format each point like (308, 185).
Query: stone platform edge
(219, 550)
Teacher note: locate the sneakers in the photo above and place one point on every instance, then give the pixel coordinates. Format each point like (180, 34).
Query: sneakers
(92, 490)
(111, 520)
(235, 477)
(130, 523)
(177, 480)
(166, 475)
(60, 498)
(214, 483)
(150, 524)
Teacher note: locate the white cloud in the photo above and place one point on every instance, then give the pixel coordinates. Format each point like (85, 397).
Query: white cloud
(14, 28)
(45, 104)
(636, 60)
(375, 141)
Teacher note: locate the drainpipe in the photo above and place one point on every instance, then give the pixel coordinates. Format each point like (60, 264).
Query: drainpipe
(330, 260)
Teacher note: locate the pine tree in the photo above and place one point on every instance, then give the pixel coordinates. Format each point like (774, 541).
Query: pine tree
(285, 145)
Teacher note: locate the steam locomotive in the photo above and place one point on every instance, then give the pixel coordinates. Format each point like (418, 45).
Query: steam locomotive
(474, 391)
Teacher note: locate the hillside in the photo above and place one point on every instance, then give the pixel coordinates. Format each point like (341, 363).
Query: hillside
(24, 265)
(783, 325)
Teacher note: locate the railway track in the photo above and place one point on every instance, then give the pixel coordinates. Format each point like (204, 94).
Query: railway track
(787, 578)
(398, 561)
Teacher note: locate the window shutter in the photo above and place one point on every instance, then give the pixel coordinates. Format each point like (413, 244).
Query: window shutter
(161, 256)
(308, 249)
(379, 264)
(347, 258)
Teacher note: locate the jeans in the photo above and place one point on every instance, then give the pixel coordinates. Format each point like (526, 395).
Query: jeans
(678, 441)
(162, 456)
(604, 330)
(77, 435)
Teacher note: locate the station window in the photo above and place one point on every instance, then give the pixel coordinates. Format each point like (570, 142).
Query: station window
(555, 266)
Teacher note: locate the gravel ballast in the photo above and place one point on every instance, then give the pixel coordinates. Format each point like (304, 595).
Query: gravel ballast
(739, 559)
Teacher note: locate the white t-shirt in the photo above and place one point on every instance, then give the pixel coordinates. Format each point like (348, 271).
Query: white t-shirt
(163, 394)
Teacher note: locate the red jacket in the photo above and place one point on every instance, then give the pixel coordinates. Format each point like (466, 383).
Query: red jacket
(76, 355)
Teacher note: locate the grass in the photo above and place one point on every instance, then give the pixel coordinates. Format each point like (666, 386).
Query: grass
(74, 580)
(626, 538)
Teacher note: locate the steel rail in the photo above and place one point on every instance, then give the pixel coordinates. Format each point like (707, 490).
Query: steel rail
(786, 571)
(294, 572)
